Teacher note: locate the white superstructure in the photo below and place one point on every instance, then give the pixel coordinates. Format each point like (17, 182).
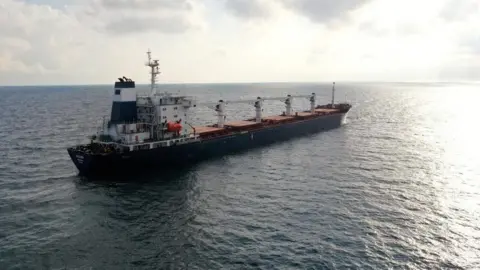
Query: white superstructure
(150, 120)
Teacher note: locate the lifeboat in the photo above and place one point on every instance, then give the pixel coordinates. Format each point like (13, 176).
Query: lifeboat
(174, 127)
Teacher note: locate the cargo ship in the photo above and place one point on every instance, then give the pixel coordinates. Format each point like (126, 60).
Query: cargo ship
(155, 130)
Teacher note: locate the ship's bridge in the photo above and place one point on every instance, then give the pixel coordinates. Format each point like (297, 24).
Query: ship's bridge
(161, 109)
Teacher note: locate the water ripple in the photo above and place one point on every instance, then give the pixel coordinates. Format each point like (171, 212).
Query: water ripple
(394, 188)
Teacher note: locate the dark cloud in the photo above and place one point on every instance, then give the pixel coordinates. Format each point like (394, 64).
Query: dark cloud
(168, 25)
(323, 11)
(247, 8)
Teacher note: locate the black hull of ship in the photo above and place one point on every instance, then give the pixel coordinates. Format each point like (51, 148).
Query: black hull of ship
(189, 154)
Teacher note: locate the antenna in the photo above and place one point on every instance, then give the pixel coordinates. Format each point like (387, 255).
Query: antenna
(333, 94)
(153, 64)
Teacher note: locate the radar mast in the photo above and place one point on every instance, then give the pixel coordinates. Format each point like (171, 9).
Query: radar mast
(333, 95)
(153, 64)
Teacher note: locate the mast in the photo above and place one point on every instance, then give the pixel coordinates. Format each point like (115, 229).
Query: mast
(153, 64)
(333, 94)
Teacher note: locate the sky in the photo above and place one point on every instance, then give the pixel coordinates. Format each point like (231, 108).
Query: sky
(210, 41)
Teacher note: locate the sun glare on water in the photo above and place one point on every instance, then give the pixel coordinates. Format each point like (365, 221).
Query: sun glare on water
(451, 133)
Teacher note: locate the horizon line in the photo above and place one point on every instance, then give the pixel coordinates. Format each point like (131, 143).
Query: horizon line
(252, 82)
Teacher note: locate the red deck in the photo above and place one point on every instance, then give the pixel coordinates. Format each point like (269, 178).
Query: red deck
(324, 110)
(305, 114)
(277, 118)
(204, 130)
(250, 124)
(241, 123)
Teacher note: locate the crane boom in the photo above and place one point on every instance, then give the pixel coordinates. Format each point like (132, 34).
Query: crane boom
(209, 104)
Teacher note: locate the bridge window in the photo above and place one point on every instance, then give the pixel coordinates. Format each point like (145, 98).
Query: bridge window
(117, 91)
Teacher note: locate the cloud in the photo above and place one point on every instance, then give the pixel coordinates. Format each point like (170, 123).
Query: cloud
(95, 41)
(377, 30)
(462, 19)
(458, 10)
(465, 68)
(139, 16)
(318, 11)
(136, 25)
(33, 36)
(247, 9)
(42, 44)
(371, 28)
(324, 11)
(473, 44)
(146, 4)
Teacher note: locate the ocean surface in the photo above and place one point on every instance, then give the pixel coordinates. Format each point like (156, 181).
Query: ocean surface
(397, 187)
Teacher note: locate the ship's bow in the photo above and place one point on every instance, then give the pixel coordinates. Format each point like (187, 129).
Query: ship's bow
(83, 161)
(344, 109)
